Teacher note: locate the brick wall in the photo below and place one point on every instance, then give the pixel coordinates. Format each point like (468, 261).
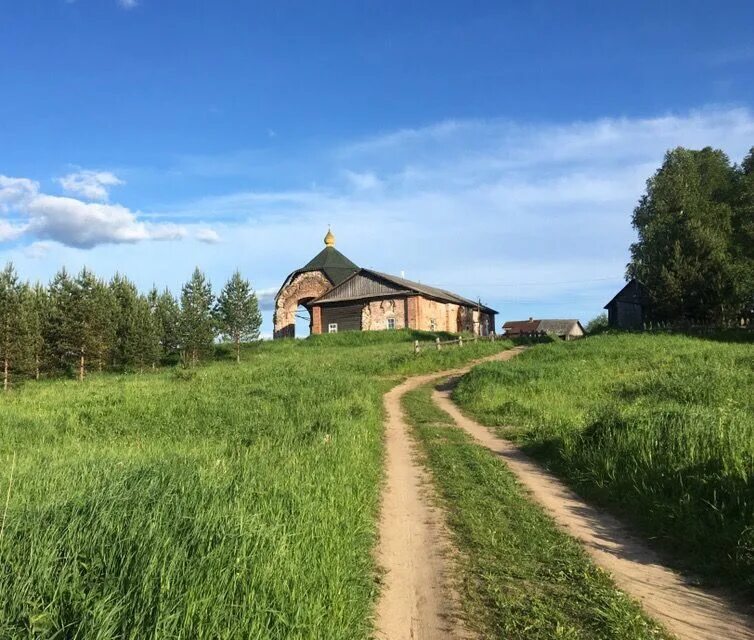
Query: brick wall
(376, 313)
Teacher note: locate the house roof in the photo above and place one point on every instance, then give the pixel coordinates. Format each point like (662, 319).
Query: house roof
(394, 285)
(558, 327)
(634, 292)
(333, 263)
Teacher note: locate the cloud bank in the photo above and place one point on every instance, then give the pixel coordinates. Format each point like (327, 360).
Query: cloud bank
(71, 221)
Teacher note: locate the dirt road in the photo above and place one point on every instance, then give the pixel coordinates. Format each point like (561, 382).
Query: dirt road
(417, 601)
(687, 611)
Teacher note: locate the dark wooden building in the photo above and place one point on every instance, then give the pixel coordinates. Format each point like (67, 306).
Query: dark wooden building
(628, 309)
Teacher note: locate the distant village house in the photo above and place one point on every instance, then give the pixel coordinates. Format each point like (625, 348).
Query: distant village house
(564, 329)
(341, 296)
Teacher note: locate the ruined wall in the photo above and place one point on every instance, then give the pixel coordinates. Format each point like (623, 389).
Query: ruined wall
(303, 288)
(375, 314)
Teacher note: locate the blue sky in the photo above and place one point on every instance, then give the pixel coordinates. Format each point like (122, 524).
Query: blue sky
(493, 148)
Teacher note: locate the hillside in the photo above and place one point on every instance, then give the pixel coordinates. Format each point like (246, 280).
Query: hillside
(233, 501)
(659, 428)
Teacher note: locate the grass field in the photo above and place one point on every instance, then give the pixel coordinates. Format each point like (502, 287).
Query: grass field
(659, 428)
(227, 502)
(521, 576)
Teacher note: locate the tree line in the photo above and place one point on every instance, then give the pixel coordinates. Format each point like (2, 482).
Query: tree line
(77, 324)
(695, 247)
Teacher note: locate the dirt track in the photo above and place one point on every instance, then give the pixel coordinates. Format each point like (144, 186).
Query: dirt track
(417, 601)
(687, 611)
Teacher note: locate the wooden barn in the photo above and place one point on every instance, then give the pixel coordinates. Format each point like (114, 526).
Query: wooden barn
(628, 309)
(341, 296)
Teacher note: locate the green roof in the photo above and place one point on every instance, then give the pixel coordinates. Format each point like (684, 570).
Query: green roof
(333, 263)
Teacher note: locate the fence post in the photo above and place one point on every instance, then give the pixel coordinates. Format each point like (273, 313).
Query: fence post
(416, 346)
(460, 341)
(437, 341)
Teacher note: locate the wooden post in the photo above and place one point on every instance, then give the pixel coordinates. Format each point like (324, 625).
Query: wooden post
(437, 342)
(460, 341)
(416, 346)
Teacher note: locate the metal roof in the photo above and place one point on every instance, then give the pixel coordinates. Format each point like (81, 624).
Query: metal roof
(404, 287)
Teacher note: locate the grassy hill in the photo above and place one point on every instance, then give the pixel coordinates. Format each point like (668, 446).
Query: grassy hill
(659, 428)
(233, 501)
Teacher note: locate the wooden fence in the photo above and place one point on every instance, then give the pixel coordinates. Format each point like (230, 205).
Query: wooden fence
(460, 340)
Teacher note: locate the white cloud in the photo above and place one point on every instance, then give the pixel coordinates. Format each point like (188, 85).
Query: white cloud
(15, 191)
(128, 4)
(71, 221)
(208, 236)
(362, 181)
(87, 224)
(91, 185)
(10, 231)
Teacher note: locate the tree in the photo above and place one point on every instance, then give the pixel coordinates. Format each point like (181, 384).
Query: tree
(685, 226)
(125, 348)
(598, 324)
(147, 335)
(12, 329)
(36, 303)
(167, 315)
(743, 230)
(197, 331)
(81, 327)
(237, 312)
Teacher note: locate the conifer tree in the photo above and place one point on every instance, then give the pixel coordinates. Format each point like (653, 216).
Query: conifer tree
(81, 327)
(12, 329)
(147, 335)
(167, 315)
(125, 349)
(36, 312)
(237, 312)
(196, 324)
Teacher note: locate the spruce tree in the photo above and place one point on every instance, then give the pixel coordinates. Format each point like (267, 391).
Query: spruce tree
(12, 328)
(196, 324)
(237, 312)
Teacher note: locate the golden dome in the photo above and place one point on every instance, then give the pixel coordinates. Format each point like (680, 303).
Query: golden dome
(330, 238)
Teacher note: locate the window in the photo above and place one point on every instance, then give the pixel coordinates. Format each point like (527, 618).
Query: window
(332, 327)
(391, 323)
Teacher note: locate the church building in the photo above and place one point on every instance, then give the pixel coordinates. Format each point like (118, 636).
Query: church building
(340, 296)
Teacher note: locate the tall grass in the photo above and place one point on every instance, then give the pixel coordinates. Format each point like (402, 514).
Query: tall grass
(227, 502)
(521, 576)
(660, 428)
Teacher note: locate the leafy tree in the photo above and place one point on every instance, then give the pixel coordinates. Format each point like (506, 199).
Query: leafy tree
(197, 331)
(597, 324)
(237, 312)
(12, 328)
(167, 315)
(685, 226)
(743, 230)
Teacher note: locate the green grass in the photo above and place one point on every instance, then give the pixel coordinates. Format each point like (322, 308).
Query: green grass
(227, 502)
(521, 577)
(659, 428)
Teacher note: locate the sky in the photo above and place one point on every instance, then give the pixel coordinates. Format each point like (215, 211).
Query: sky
(493, 148)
